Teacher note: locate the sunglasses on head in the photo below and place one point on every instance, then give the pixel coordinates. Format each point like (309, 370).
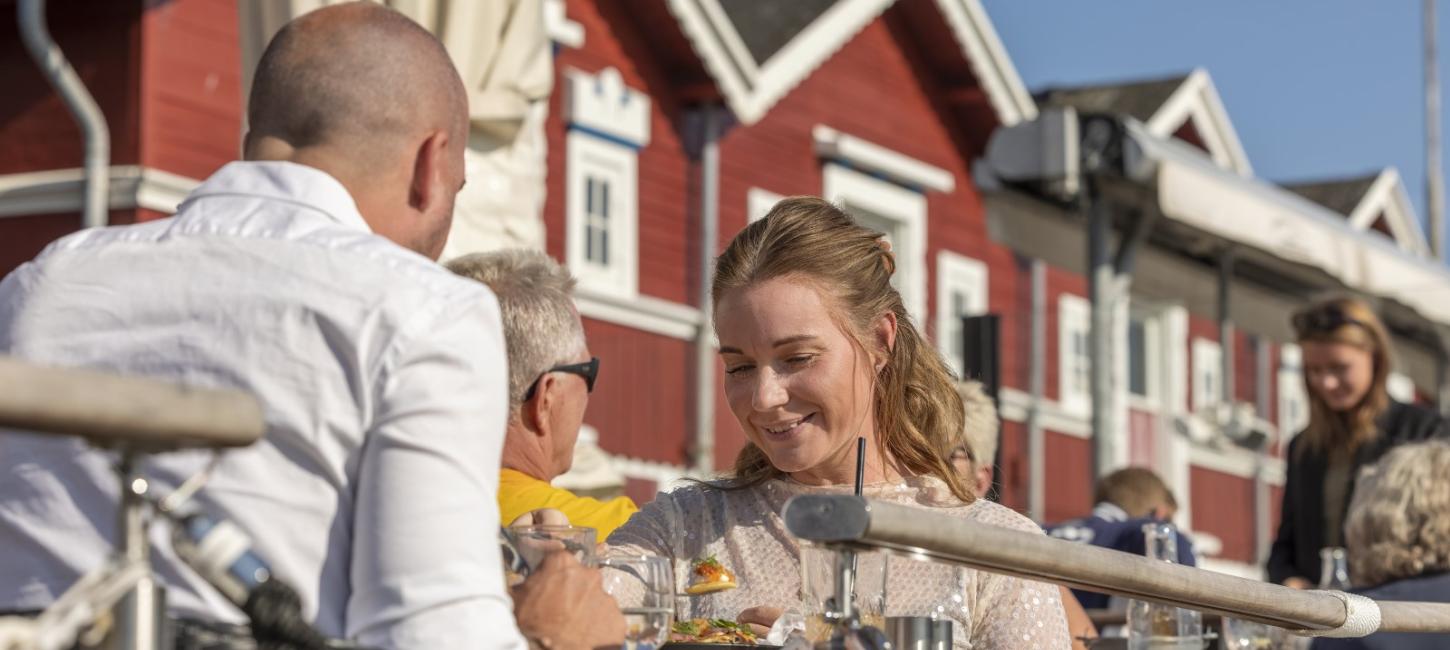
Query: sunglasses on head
(1322, 320)
(589, 370)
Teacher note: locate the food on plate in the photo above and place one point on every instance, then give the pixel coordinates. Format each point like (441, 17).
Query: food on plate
(710, 576)
(712, 630)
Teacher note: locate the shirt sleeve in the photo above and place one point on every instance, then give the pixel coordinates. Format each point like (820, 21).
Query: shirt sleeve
(1016, 613)
(426, 568)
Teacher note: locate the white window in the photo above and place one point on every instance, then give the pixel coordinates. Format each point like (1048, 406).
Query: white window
(758, 203)
(1293, 402)
(608, 124)
(1145, 359)
(895, 210)
(1207, 366)
(961, 290)
(1074, 370)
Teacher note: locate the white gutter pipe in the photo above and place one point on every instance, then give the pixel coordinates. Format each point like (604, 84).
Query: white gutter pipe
(702, 452)
(60, 74)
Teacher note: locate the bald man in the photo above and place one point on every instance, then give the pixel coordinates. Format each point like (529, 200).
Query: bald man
(306, 275)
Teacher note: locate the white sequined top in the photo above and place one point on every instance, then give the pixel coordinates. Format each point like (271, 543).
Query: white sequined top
(744, 531)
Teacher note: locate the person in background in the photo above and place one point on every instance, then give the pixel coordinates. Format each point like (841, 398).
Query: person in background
(550, 377)
(1397, 537)
(305, 274)
(981, 431)
(974, 455)
(1124, 501)
(1352, 423)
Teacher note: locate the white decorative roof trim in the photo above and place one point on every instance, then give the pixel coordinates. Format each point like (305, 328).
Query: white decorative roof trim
(561, 30)
(1198, 100)
(59, 191)
(749, 89)
(989, 61)
(868, 156)
(603, 104)
(1387, 196)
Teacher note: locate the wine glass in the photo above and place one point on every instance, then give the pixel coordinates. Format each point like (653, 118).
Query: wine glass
(644, 588)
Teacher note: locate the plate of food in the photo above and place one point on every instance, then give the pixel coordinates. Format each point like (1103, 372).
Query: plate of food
(713, 634)
(709, 576)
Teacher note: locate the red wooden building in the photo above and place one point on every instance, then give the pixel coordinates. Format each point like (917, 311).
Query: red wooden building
(674, 122)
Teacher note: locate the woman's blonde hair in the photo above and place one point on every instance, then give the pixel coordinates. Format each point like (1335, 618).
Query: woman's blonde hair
(1351, 322)
(1399, 518)
(917, 411)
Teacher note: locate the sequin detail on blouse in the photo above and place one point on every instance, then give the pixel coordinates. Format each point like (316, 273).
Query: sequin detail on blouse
(743, 529)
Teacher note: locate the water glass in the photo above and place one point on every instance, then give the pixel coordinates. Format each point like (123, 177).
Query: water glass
(1248, 635)
(644, 588)
(820, 567)
(534, 543)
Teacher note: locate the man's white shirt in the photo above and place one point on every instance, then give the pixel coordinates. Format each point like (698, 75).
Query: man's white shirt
(383, 380)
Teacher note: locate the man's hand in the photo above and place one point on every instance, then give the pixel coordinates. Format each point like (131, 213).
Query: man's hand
(760, 619)
(563, 605)
(1297, 582)
(541, 517)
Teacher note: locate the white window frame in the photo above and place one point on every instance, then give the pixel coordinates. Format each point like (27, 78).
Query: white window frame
(903, 210)
(758, 203)
(1074, 319)
(1293, 401)
(592, 156)
(1154, 366)
(959, 274)
(1207, 382)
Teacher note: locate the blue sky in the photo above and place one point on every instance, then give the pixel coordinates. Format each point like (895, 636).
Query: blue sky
(1315, 88)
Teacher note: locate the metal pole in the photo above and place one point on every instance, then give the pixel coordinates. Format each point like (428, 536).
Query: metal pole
(915, 532)
(140, 622)
(1434, 177)
(1226, 324)
(1036, 378)
(83, 107)
(702, 453)
(1101, 278)
(1262, 525)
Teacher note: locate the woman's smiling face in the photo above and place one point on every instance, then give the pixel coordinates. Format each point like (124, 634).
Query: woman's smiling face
(800, 387)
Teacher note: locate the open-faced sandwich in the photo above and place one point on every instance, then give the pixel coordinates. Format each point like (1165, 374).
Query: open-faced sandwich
(709, 576)
(712, 630)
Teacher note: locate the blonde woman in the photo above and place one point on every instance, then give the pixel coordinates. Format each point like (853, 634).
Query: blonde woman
(817, 349)
(1353, 421)
(1398, 539)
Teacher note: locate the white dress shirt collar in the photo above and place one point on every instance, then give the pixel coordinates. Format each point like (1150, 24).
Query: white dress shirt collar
(283, 181)
(1109, 512)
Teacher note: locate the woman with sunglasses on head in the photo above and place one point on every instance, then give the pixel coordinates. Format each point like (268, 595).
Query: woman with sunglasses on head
(1352, 423)
(818, 350)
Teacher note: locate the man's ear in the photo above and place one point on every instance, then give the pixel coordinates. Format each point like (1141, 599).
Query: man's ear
(428, 185)
(536, 411)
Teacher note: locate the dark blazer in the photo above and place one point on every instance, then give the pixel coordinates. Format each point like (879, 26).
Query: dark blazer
(1432, 588)
(1301, 519)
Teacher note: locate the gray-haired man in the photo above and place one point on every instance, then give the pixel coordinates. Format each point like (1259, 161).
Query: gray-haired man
(550, 377)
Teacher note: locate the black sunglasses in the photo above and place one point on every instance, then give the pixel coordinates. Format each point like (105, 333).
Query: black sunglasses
(589, 370)
(1322, 320)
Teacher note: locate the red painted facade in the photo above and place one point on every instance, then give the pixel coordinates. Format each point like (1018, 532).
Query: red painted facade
(168, 77)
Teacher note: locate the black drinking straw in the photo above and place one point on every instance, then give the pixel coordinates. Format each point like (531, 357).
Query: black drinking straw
(860, 463)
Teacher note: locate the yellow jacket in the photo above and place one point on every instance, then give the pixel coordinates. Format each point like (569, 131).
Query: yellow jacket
(519, 493)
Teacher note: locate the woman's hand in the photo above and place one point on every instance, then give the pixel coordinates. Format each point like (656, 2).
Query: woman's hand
(759, 619)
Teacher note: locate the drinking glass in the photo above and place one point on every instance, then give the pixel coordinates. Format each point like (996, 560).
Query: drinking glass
(534, 543)
(820, 567)
(1248, 635)
(644, 588)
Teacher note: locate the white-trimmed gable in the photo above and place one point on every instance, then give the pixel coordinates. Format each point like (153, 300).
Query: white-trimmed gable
(1387, 200)
(1196, 102)
(751, 87)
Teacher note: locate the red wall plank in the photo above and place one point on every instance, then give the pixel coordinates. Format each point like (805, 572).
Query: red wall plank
(1223, 505)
